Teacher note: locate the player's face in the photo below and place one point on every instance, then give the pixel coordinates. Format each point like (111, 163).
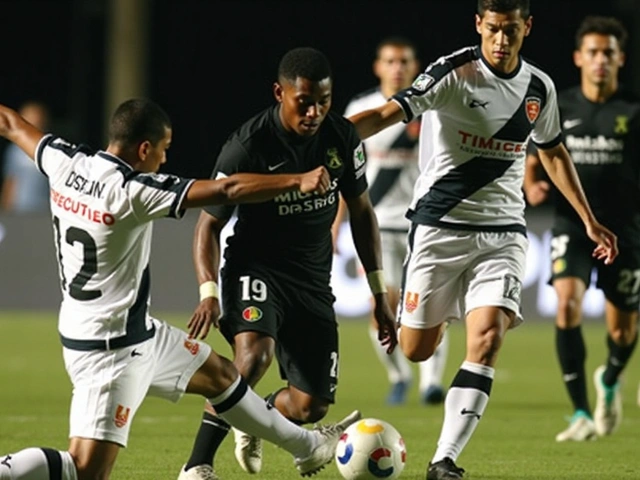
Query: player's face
(154, 156)
(396, 67)
(304, 104)
(599, 59)
(502, 36)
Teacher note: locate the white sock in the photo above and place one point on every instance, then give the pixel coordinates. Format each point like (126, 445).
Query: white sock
(464, 405)
(432, 370)
(396, 364)
(37, 464)
(242, 408)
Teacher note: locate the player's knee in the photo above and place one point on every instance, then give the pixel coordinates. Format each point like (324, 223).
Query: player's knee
(88, 469)
(568, 312)
(417, 353)
(623, 336)
(253, 363)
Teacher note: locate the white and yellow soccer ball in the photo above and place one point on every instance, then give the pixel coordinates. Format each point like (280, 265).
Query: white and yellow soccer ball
(371, 449)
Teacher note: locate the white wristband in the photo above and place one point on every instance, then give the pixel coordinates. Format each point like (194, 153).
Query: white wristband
(376, 282)
(208, 289)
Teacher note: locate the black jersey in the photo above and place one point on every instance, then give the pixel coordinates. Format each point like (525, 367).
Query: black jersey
(604, 142)
(290, 236)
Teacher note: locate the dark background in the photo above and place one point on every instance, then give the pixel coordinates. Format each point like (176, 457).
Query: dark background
(211, 63)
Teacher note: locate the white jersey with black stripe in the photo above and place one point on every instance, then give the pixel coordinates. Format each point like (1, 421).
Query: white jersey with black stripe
(392, 164)
(476, 123)
(102, 216)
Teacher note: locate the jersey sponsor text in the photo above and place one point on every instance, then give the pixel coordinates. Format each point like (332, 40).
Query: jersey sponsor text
(81, 209)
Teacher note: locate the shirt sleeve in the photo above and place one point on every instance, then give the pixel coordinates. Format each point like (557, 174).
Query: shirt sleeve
(157, 195)
(429, 91)
(233, 158)
(354, 182)
(546, 132)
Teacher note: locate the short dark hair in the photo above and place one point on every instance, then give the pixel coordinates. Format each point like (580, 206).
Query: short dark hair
(137, 120)
(504, 6)
(396, 41)
(602, 26)
(304, 62)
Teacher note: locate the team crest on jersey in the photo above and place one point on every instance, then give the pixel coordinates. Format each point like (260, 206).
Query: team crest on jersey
(333, 160)
(411, 300)
(422, 82)
(252, 314)
(122, 416)
(192, 346)
(559, 265)
(532, 108)
(622, 125)
(512, 288)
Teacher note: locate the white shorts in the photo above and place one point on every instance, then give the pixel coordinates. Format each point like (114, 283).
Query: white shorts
(109, 386)
(451, 272)
(394, 252)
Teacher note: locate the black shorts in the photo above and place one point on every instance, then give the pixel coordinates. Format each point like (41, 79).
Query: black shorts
(571, 251)
(302, 323)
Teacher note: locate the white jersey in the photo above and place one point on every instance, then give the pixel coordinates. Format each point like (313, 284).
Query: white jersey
(102, 218)
(392, 164)
(476, 123)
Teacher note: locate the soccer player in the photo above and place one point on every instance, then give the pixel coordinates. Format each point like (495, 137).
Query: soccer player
(601, 125)
(103, 206)
(392, 169)
(480, 106)
(276, 294)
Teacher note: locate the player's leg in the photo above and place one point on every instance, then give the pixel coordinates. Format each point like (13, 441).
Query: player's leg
(250, 326)
(571, 274)
(492, 286)
(190, 366)
(621, 288)
(432, 391)
(108, 388)
(307, 352)
(399, 374)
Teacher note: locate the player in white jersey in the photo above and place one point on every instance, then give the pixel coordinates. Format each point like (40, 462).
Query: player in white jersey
(480, 106)
(392, 170)
(103, 206)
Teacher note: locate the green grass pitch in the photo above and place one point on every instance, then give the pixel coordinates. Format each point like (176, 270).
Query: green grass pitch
(515, 439)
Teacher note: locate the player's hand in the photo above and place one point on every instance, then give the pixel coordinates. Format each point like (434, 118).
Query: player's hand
(606, 240)
(207, 313)
(387, 335)
(315, 181)
(537, 192)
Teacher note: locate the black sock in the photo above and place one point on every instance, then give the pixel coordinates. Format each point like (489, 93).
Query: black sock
(616, 361)
(271, 400)
(572, 355)
(212, 432)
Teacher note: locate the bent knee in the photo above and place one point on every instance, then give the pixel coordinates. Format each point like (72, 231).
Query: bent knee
(311, 412)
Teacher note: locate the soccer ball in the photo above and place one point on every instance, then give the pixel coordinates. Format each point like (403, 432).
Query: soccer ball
(370, 449)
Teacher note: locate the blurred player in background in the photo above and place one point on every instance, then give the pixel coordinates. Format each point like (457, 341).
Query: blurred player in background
(103, 205)
(480, 106)
(601, 124)
(276, 293)
(392, 170)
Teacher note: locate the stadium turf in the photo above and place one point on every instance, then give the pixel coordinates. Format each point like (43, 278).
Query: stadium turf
(515, 439)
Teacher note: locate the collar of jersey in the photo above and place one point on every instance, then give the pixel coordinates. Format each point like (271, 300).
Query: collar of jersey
(498, 73)
(112, 158)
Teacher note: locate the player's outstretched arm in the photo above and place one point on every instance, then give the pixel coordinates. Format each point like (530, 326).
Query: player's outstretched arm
(17, 130)
(370, 122)
(558, 164)
(366, 238)
(254, 187)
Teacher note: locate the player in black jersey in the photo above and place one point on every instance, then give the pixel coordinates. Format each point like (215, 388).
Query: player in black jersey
(601, 125)
(276, 294)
